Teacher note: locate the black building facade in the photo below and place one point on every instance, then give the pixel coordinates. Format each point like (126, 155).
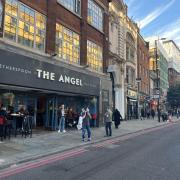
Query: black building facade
(52, 55)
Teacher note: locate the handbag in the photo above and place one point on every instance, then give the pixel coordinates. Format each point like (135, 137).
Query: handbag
(2, 120)
(79, 125)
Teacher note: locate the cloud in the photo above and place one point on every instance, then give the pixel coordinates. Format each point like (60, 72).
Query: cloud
(154, 14)
(171, 31)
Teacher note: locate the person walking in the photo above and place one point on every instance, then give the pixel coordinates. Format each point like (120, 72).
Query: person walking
(152, 113)
(148, 113)
(178, 113)
(108, 122)
(142, 114)
(117, 118)
(86, 124)
(61, 117)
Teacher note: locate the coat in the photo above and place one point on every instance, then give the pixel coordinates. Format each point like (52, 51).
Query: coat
(86, 120)
(108, 116)
(117, 117)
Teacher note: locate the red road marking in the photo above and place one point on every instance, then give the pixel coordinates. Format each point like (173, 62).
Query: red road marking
(54, 158)
(42, 162)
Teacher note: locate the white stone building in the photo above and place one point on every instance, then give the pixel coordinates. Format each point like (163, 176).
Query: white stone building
(117, 40)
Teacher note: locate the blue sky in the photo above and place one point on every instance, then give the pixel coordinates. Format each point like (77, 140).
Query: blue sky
(156, 17)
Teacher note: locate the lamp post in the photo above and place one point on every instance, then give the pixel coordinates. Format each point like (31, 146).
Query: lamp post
(138, 81)
(157, 80)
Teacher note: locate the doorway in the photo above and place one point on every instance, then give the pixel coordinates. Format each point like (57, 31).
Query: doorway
(51, 113)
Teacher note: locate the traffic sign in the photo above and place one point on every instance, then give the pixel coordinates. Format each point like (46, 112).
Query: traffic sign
(156, 96)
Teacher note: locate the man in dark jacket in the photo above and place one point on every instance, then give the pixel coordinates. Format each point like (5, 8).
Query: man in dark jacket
(117, 118)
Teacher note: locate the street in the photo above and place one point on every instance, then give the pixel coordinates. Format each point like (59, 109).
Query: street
(150, 155)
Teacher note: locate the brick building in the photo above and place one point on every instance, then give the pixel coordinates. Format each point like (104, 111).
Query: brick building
(143, 73)
(55, 52)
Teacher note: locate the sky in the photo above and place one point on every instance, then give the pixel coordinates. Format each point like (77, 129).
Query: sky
(156, 17)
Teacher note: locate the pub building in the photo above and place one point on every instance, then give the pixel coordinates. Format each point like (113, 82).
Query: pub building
(49, 57)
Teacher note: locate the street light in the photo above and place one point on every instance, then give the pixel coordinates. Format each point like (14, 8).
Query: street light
(138, 81)
(158, 78)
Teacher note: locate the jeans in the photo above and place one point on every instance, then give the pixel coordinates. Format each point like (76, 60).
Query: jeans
(62, 123)
(84, 128)
(108, 129)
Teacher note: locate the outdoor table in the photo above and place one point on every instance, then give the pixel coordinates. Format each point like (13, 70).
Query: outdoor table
(16, 118)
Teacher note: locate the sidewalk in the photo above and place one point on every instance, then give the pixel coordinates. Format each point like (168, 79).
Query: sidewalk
(19, 149)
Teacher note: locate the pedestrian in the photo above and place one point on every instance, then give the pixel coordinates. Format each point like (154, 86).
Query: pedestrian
(80, 120)
(61, 117)
(117, 118)
(148, 113)
(142, 114)
(108, 122)
(178, 113)
(169, 118)
(159, 114)
(86, 124)
(152, 113)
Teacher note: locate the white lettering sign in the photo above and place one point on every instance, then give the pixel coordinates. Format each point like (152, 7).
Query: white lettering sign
(46, 75)
(62, 78)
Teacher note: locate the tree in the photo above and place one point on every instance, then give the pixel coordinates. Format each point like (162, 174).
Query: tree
(173, 96)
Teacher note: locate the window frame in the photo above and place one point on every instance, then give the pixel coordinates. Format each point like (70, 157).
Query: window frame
(93, 65)
(75, 6)
(65, 29)
(34, 25)
(95, 8)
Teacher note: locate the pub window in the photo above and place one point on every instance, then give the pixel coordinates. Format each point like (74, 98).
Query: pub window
(95, 15)
(24, 25)
(94, 56)
(72, 5)
(67, 44)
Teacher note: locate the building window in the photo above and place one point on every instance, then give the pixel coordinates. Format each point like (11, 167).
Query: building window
(24, 25)
(72, 5)
(130, 76)
(67, 44)
(140, 69)
(94, 56)
(95, 15)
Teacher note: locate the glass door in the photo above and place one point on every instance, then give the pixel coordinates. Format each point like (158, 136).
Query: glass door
(50, 113)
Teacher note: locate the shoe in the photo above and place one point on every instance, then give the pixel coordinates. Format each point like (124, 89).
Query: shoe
(89, 139)
(59, 131)
(64, 131)
(82, 140)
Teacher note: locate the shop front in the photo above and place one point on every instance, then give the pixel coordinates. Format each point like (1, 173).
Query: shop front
(132, 105)
(42, 87)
